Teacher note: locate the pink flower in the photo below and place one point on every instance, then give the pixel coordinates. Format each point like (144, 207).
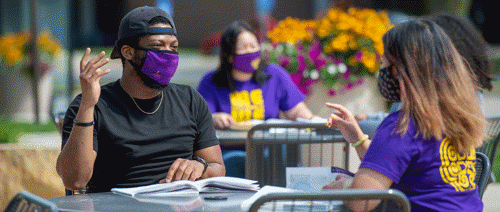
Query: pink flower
(331, 92)
(302, 63)
(359, 56)
(319, 63)
(349, 86)
(284, 61)
(300, 48)
(331, 57)
(315, 51)
(359, 81)
(346, 75)
(304, 89)
(338, 61)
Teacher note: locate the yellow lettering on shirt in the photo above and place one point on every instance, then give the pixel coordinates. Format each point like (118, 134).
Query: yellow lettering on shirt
(457, 170)
(247, 105)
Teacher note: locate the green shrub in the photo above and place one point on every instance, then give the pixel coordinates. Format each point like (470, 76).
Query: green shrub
(11, 131)
(496, 167)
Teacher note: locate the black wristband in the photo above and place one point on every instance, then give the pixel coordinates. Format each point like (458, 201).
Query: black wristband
(84, 124)
(201, 160)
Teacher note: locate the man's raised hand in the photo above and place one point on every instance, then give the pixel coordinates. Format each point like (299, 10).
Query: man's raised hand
(90, 74)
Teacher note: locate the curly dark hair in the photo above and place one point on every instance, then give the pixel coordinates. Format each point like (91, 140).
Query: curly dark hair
(470, 44)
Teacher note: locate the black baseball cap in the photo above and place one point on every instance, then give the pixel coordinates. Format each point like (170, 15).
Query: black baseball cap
(136, 23)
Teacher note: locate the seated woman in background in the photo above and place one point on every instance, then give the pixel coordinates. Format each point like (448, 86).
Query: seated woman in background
(426, 149)
(244, 87)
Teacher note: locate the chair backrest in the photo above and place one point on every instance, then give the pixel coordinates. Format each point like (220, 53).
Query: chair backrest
(27, 202)
(483, 169)
(333, 200)
(271, 147)
(490, 145)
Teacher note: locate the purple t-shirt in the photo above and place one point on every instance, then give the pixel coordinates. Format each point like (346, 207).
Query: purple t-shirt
(430, 172)
(251, 100)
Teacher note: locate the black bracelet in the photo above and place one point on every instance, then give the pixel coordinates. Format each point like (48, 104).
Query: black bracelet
(201, 160)
(84, 124)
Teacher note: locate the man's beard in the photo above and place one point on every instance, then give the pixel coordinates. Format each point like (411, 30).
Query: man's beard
(137, 62)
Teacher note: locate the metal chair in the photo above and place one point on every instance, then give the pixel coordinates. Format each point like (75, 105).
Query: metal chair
(271, 147)
(390, 200)
(490, 145)
(483, 170)
(27, 202)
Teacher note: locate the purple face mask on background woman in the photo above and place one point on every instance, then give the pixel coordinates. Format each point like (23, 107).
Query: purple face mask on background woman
(247, 62)
(160, 65)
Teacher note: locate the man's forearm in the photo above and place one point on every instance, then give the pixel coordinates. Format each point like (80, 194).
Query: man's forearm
(214, 170)
(76, 160)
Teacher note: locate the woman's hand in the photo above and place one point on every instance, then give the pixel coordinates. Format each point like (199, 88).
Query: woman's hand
(341, 182)
(345, 121)
(222, 120)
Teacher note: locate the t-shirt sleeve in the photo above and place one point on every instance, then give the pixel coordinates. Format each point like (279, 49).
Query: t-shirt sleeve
(69, 119)
(205, 135)
(207, 90)
(289, 93)
(390, 153)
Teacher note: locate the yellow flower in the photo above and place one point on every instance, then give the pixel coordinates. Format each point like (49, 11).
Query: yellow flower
(327, 49)
(353, 37)
(292, 30)
(13, 47)
(369, 60)
(333, 14)
(13, 56)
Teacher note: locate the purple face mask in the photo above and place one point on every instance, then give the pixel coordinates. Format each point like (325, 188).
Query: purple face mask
(247, 62)
(160, 65)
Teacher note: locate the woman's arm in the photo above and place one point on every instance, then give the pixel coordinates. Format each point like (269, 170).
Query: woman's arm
(300, 110)
(365, 179)
(368, 179)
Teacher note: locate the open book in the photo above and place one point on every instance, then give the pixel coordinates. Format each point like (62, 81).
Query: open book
(189, 188)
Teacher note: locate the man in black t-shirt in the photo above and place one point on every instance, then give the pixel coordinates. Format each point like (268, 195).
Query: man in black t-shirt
(140, 129)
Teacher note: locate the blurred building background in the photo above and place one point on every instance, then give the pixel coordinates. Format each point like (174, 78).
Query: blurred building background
(78, 24)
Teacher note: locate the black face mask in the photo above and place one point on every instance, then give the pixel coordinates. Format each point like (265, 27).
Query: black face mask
(388, 85)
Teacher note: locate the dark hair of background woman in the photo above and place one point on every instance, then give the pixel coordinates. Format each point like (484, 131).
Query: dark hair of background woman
(223, 76)
(470, 44)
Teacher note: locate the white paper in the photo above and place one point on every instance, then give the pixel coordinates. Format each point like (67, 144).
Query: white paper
(309, 179)
(315, 119)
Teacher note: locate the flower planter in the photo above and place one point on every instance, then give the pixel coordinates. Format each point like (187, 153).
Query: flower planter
(363, 98)
(16, 96)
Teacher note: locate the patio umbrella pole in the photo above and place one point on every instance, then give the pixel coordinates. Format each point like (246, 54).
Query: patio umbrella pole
(35, 58)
